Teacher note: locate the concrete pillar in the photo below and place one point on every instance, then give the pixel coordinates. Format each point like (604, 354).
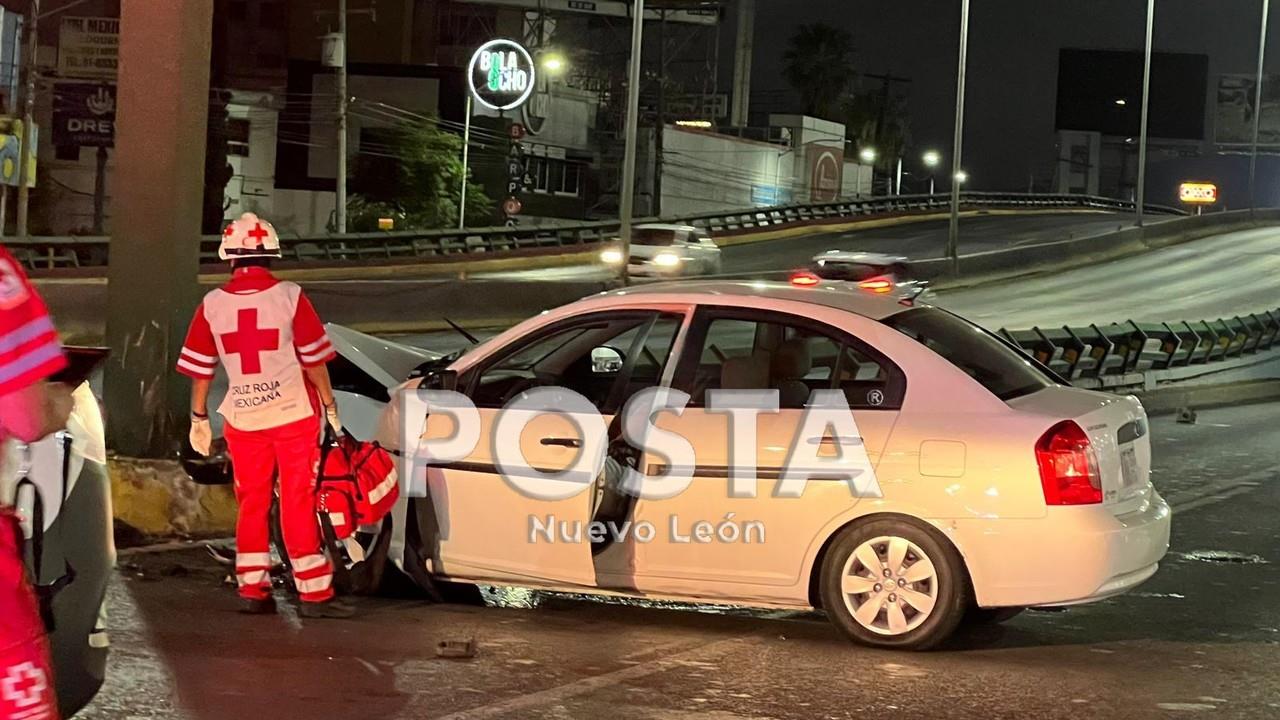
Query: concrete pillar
(162, 114)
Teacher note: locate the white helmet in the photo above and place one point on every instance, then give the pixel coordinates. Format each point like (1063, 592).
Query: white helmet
(249, 237)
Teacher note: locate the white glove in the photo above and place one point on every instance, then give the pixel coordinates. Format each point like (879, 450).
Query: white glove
(331, 414)
(201, 436)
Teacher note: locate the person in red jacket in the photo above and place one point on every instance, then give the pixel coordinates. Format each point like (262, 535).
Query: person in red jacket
(31, 407)
(267, 336)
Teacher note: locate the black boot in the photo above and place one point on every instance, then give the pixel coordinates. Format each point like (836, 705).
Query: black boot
(334, 608)
(265, 606)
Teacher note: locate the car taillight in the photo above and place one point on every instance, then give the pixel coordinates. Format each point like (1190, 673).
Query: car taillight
(1068, 466)
(804, 278)
(878, 284)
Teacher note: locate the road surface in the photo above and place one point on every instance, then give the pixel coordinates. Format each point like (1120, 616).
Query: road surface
(1201, 639)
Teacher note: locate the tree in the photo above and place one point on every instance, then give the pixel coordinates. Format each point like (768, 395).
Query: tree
(413, 172)
(873, 118)
(818, 63)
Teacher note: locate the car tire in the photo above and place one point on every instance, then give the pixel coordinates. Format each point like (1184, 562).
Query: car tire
(913, 606)
(978, 616)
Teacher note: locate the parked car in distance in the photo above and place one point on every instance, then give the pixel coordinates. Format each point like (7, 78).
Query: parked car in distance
(661, 250)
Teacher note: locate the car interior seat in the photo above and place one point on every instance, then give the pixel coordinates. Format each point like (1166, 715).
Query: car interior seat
(792, 361)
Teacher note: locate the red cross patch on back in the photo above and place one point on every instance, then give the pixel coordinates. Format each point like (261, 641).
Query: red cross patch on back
(249, 341)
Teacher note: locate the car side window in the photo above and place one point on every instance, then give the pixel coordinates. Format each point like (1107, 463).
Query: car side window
(793, 356)
(605, 358)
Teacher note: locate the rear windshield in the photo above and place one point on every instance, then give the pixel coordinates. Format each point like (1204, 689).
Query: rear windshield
(995, 364)
(652, 236)
(846, 270)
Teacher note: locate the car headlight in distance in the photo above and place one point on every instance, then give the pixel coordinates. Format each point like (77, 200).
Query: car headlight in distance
(611, 256)
(666, 259)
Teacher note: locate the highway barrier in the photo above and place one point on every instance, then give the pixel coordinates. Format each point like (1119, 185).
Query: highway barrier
(42, 253)
(1132, 355)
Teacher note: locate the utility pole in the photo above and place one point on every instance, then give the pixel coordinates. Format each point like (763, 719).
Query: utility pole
(660, 127)
(1257, 106)
(626, 193)
(28, 120)
(1140, 199)
(953, 229)
(340, 215)
(743, 50)
(882, 115)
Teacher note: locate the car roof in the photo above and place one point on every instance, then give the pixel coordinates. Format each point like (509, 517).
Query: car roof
(871, 258)
(840, 296)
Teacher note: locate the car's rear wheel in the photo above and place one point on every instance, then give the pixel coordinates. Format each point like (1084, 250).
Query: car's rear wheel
(894, 584)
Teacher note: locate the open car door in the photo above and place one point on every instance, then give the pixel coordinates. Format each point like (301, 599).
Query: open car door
(505, 512)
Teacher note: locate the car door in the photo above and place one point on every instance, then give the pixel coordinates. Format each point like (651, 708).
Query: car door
(523, 525)
(747, 349)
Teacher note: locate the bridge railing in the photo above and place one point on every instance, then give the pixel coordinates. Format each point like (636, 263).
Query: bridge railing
(92, 251)
(1128, 353)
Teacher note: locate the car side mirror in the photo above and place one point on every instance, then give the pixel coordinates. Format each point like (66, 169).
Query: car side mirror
(441, 380)
(606, 361)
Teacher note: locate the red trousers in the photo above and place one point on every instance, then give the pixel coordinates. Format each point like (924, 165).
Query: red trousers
(292, 452)
(26, 682)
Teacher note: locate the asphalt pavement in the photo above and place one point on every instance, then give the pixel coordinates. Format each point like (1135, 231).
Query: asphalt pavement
(1201, 639)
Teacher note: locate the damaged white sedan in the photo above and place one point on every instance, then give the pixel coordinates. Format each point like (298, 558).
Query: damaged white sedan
(958, 478)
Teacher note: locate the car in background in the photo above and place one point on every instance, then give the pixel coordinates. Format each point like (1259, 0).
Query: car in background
(1003, 487)
(876, 272)
(662, 250)
(61, 490)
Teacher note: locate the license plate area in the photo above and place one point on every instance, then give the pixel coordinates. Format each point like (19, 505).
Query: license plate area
(1130, 475)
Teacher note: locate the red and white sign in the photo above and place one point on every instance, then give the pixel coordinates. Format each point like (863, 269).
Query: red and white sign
(512, 206)
(826, 164)
(1198, 193)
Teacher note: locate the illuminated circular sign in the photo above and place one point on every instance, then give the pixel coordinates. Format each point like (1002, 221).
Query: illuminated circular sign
(501, 75)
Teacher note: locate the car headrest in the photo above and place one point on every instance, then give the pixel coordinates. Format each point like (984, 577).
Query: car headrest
(792, 360)
(748, 372)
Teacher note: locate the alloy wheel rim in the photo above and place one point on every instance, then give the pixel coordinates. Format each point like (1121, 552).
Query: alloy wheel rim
(889, 585)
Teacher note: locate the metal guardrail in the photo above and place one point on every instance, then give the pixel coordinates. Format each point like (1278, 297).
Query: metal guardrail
(86, 251)
(1103, 354)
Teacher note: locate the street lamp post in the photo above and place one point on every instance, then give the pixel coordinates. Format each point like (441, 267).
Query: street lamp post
(931, 159)
(953, 230)
(1140, 198)
(868, 157)
(1257, 106)
(627, 192)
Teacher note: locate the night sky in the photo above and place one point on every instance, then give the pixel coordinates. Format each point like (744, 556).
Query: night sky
(1013, 58)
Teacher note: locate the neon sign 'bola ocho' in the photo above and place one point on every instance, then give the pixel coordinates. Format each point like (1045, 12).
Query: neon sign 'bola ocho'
(501, 74)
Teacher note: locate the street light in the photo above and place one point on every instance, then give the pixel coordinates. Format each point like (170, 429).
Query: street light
(626, 193)
(953, 227)
(931, 160)
(962, 177)
(553, 62)
(1141, 199)
(867, 155)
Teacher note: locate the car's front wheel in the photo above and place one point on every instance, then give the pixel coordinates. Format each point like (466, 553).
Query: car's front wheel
(894, 584)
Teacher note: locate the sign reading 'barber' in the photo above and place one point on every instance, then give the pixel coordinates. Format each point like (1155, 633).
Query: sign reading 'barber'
(501, 75)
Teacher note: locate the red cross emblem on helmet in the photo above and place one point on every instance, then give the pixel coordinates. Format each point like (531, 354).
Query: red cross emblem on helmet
(249, 236)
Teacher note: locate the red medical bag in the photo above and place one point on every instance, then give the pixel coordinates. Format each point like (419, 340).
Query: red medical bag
(357, 484)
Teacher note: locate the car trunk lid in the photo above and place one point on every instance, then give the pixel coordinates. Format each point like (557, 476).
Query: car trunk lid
(1118, 433)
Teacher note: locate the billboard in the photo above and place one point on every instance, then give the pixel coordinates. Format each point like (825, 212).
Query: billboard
(84, 114)
(88, 47)
(1233, 110)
